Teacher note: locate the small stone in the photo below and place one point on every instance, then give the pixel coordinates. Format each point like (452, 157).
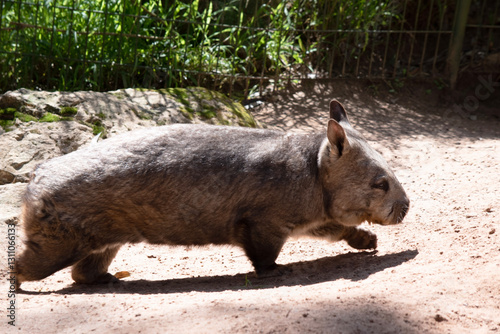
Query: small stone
(440, 318)
(12, 221)
(6, 177)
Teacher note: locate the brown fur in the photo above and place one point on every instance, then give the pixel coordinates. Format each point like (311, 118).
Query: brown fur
(198, 185)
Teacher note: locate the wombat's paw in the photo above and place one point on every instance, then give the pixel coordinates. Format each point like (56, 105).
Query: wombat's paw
(107, 278)
(362, 239)
(17, 284)
(276, 270)
(103, 279)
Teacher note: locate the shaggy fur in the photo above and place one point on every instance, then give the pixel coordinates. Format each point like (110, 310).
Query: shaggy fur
(201, 184)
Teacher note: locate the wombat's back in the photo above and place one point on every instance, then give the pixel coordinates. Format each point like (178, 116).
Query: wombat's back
(180, 184)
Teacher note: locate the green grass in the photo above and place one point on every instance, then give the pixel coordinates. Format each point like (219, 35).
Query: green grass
(13, 114)
(6, 124)
(68, 111)
(248, 283)
(96, 129)
(208, 103)
(8, 113)
(147, 44)
(50, 117)
(25, 117)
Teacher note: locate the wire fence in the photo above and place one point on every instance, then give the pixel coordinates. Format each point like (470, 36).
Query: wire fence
(235, 46)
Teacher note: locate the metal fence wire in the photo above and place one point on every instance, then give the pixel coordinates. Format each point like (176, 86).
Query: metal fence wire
(237, 46)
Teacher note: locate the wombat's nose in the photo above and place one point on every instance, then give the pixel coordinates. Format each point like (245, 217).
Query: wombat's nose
(404, 209)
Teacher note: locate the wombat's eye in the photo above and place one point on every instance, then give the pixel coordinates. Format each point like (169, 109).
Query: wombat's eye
(381, 184)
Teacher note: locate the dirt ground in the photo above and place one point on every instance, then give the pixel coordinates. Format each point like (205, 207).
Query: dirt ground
(438, 272)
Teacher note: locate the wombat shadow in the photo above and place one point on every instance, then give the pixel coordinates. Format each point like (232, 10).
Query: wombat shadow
(353, 266)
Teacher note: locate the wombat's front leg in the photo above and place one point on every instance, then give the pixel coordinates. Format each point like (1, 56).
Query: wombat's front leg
(94, 268)
(356, 237)
(360, 238)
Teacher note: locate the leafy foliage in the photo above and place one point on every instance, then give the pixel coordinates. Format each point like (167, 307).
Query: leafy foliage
(109, 44)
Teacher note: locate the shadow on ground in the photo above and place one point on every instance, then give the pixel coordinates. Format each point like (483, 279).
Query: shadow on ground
(351, 266)
(410, 112)
(361, 314)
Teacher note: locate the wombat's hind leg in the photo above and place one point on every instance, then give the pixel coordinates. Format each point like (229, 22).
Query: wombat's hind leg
(93, 269)
(262, 248)
(360, 238)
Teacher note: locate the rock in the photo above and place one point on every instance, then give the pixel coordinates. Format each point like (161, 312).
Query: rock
(127, 109)
(31, 144)
(12, 99)
(440, 318)
(6, 177)
(10, 201)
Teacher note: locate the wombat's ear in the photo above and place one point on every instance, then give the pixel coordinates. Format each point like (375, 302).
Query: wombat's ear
(337, 112)
(337, 137)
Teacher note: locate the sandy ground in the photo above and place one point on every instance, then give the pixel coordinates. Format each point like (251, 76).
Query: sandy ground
(438, 272)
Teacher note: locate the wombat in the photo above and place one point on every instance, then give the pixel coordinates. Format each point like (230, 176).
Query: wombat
(188, 184)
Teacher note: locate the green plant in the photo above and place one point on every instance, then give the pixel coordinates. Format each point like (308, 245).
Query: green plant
(25, 117)
(50, 117)
(68, 111)
(8, 113)
(99, 129)
(109, 44)
(395, 85)
(374, 89)
(440, 84)
(6, 124)
(248, 283)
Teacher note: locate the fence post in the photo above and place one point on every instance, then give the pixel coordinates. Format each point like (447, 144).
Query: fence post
(457, 39)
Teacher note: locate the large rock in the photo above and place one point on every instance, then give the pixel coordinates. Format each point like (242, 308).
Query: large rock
(31, 143)
(10, 201)
(127, 109)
